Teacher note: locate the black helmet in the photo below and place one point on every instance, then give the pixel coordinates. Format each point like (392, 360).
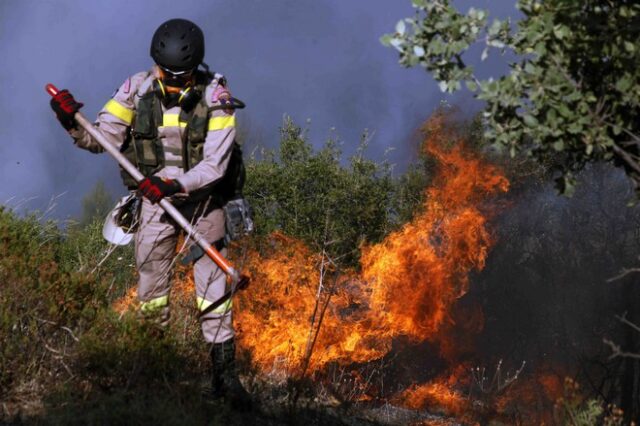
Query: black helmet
(178, 45)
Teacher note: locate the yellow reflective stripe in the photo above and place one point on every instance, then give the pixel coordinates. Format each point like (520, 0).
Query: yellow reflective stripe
(204, 304)
(219, 123)
(154, 304)
(172, 120)
(114, 108)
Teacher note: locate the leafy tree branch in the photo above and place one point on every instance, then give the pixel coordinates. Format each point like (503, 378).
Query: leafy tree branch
(573, 90)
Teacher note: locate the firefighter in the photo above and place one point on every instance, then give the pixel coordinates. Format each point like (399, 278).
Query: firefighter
(171, 121)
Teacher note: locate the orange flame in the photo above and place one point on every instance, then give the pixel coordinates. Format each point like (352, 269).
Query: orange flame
(407, 285)
(434, 395)
(408, 282)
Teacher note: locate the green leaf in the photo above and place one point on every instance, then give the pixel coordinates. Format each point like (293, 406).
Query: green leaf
(617, 130)
(575, 128)
(546, 92)
(624, 83)
(589, 149)
(530, 120)
(494, 29)
(396, 43)
(625, 12)
(629, 46)
(560, 31)
(565, 111)
(385, 40)
(529, 68)
(418, 51)
(540, 49)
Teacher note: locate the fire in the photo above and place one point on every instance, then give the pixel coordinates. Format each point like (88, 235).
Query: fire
(301, 314)
(417, 273)
(276, 315)
(434, 395)
(408, 282)
(441, 394)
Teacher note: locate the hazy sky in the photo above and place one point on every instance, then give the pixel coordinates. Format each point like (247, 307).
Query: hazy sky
(312, 59)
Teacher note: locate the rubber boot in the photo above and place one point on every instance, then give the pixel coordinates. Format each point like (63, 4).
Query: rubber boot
(225, 383)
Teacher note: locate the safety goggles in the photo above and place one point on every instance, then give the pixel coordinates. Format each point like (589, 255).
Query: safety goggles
(176, 78)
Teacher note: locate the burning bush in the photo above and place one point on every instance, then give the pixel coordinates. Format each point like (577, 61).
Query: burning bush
(305, 312)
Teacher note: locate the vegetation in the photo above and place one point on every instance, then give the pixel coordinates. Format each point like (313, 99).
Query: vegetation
(570, 98)
(69, 357)
(76, 360)
(572, 91)
(312, 196)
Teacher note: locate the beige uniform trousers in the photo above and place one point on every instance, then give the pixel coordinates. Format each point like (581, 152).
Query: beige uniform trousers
(155, 245)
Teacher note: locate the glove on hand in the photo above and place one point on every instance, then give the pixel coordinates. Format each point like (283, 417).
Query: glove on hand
(65, 108)
(156, 188)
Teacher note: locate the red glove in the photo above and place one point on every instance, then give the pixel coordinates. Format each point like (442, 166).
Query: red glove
(65, 108)
(156, 188)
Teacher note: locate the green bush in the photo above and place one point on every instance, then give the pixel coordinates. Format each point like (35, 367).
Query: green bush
(50, 294)
(312, 196)
(89, 364)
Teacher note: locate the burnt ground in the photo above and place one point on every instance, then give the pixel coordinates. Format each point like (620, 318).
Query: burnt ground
(185, 406)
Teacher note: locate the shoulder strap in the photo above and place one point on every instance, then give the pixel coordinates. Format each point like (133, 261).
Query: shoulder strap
(198, 122)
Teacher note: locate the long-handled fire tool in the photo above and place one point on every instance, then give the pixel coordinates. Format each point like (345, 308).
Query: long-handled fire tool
(236, 280)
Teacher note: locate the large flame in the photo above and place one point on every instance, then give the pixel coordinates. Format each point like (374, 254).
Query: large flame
(416, 274)
(299, 313)
(408, 282)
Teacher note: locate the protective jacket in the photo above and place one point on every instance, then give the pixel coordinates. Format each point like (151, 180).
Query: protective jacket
(194, 148)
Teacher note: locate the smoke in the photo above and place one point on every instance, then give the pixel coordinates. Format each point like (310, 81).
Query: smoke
(547, 291)
(313, 60)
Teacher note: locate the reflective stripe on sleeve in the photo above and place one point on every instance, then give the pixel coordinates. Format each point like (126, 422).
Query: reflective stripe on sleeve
(219, 123)
(172, 120)
(204, 304)
(114, 108)
(154, 304)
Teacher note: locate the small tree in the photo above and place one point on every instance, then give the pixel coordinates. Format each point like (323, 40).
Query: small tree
(312, 196)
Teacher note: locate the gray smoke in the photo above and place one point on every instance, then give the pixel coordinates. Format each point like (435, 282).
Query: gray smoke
(313, 60)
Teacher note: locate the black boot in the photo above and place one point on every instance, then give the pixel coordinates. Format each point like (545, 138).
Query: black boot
(224, 378)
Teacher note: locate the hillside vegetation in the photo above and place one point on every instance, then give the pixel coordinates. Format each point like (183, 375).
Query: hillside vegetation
(68, 357)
